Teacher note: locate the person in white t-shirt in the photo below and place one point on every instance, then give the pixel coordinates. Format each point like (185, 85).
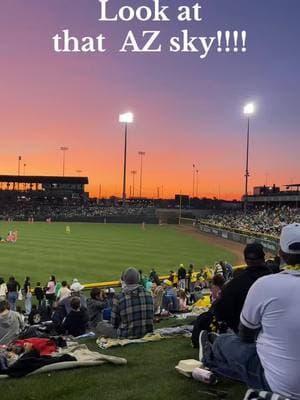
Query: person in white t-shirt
(266, 353)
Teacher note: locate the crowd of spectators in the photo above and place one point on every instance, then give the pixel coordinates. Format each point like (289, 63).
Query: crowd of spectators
(23, 211)
(258, 221)
(249, 332)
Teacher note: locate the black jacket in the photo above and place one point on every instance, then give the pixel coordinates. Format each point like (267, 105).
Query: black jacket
(229, 306)
(75, 323)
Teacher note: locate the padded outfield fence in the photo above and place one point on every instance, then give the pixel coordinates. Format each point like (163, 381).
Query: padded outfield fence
(270, 243)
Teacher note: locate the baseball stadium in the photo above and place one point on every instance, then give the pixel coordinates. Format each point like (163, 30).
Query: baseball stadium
(149, 200)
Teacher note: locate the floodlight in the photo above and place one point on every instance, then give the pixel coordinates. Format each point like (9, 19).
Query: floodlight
(249, 109)
(126, 118)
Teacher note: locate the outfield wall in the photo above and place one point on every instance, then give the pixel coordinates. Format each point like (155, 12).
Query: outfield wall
(131, 219)
(270, 245)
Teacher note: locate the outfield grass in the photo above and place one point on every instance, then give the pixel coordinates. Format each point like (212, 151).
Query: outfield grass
(99, 252)
(149, 375)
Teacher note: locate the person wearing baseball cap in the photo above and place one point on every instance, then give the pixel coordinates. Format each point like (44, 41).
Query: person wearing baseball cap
(266, 353)
(228, 306)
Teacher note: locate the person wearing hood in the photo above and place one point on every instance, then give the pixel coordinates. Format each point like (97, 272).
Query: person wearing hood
(132, 311)
(228, 306)
(95, 306)
(11, 323)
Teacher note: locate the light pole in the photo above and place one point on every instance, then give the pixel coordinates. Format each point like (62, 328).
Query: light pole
(24, 168)
(64, 149)
(141, 154)
(193, 180)
(197, 183)
(248, 110)
(19, 170)
(133, 173)
(126, 118)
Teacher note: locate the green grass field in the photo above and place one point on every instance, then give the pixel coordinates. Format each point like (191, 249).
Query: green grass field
(149, 375)
(99, 252)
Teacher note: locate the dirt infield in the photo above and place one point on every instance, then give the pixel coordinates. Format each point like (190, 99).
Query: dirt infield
(235, 248)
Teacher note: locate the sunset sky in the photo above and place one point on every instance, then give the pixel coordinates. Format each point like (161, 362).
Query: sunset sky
(187, 110)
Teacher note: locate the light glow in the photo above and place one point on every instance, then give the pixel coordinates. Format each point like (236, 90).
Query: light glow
(126, 118)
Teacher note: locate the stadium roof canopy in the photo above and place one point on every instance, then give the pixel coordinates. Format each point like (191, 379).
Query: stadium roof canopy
(45, 179)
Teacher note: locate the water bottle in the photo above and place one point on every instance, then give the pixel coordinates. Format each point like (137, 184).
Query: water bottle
(204, 376)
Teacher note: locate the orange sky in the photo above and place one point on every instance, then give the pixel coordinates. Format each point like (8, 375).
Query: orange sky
(187, 111)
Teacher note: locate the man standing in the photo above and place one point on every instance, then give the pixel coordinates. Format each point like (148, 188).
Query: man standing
(230, 303)
(266, 354)
(132, 310)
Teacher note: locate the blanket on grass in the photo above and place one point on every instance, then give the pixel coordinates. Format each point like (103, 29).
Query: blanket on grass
(157, 335)
(73, 357)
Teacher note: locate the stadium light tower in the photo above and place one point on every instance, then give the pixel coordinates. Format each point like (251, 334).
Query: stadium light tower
(64, 149)
(249, 110)
(141, 154)
(126, 118)
(133, 173)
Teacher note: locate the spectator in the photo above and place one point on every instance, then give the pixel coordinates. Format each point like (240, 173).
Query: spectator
(3, 289)
(196, 295)
(64, 306)
(227, 270)
(170, 301)
(154, 277)
(266, 354)
(50, 292)
(39, 293)
(27, 295)
(231, 300)
(190, 285)
(13, 288)
(11, 323)
(64, 291)
(132, 311)
(181, 276)
(216, 287)
(182, 300)
(76, 321)
(95, 306)
(158, 293)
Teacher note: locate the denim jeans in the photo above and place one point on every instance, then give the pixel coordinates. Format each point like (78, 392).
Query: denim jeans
(28, 303)
(232, 358)
(12, 298)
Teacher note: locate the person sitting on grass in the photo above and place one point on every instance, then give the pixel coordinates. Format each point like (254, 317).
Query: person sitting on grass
(11, 323)
(132, 310)
(182, 300)
(76, 322)
(265, 355)
(64, 306)
(95, 306)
